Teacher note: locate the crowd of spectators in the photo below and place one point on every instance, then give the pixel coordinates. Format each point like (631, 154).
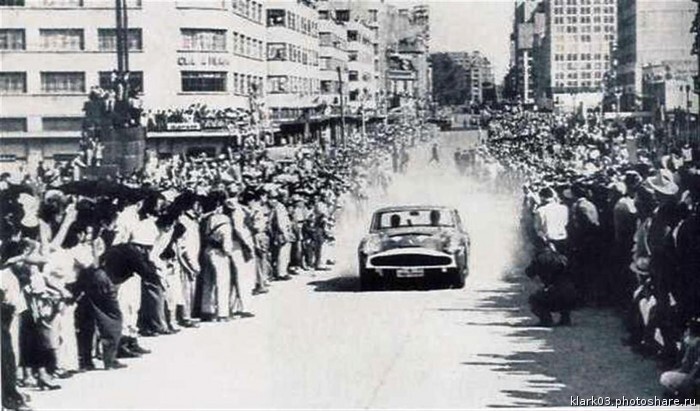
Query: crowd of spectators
(202, 117)
(113, 104)
(612, 211)
(90, 267)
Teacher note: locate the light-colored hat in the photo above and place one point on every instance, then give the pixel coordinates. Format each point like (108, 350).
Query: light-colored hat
(662, 185)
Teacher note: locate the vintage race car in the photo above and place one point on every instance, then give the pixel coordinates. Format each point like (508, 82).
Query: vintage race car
(426, 242)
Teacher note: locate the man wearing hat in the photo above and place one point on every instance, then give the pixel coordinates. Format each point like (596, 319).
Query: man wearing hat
(299, 214)
(624, 226)
(242, 253)
(281, 235)
(662, 265)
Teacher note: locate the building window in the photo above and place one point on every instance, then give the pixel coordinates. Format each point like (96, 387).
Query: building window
(63, 82)
(11, 3)
(342, 15)
(276, 51)
(12, 39)
(200, 4)
(62, 3)
(107, 39)
(276, 17)
(9, 125)
(203, 39)
(277, 84)
(353, 75)
(13, 82)
(62, 123)
(135, 80)
(62, 39)
(203, 81)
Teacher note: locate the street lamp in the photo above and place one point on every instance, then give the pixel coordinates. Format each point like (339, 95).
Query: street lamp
(688, 106)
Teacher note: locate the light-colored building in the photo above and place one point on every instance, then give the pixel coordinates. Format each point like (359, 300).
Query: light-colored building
(293, 63)
(333, 57)
(362, 79)
(668, 86)
(651, 32)
(362, 43)
(181, 52)
(580, 36)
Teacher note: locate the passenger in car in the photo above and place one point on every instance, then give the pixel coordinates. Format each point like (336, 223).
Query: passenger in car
(395, 221)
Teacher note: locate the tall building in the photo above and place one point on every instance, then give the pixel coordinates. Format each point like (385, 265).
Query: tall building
(293, 64)
(580, 37)
(651, 33)
(181, 52)
(333, 57)
(478, 74)
(409, 72)
(528, 32)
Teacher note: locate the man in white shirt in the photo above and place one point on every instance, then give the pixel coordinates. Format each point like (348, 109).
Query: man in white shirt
(551, 220)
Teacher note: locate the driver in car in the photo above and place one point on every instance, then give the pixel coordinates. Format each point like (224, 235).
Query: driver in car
(435, 218)
(395, 221)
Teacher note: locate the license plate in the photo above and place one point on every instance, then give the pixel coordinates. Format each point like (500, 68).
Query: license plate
(410, 272)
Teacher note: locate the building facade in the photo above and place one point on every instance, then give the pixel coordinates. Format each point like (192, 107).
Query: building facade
(652, 32)
(478, 74)
(278, 59)
(580, 38)
(293, 63)
(182, 52)
(526, 58)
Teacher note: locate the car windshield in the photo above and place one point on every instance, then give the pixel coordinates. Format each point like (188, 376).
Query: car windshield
(414, 218)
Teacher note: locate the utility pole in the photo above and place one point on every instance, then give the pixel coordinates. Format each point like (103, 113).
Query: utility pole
(122, 20)
(695, 28)
(342, 106)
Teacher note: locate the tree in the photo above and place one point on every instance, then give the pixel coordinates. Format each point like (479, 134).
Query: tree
(449, 80)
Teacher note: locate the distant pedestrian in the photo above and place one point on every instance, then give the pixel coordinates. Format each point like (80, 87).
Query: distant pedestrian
(435, 154)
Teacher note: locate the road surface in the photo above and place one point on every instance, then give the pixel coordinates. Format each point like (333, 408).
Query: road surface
(317, 342)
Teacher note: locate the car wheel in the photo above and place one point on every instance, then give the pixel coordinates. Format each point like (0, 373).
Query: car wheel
(369, 281)
(459, 278)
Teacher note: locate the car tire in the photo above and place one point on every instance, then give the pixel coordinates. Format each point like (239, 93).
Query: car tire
(459, 278)
(369, 281)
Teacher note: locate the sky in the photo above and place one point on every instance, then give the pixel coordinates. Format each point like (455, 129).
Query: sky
(468, 25)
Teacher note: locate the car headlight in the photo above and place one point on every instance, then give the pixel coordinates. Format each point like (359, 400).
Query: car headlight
(452, 245)
(372, 245)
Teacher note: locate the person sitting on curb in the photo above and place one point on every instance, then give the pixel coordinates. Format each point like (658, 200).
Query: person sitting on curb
(684, 381)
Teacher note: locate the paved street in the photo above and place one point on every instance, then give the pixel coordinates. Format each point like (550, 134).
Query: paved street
(317, 342)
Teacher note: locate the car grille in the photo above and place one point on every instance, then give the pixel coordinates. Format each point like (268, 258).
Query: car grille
(410, 260)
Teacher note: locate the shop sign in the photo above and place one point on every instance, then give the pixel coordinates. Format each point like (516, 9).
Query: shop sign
(203, 61)
(184, 127)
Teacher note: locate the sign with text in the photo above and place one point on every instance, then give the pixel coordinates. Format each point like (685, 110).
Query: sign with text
(184, 127)
(203, 61)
